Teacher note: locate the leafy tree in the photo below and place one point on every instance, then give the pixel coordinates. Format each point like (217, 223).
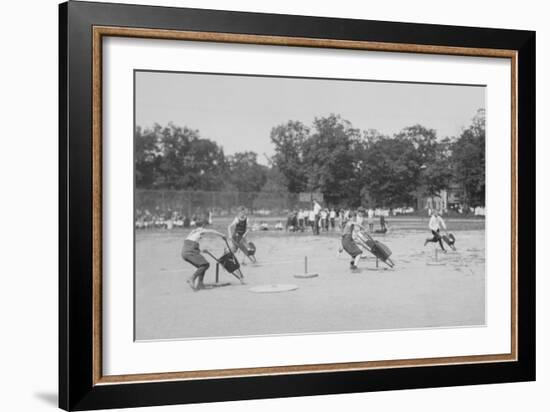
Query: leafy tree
(246, 177)
(274, 193)
(333, 157)
(204, 166)
(289, 139)
(388, 177)
(332, 154)
(438, 173)
(275, 181)
(246, 174)
(173, 157)
(371, 136)
(147, 156)
(424, 141)
(468, 157)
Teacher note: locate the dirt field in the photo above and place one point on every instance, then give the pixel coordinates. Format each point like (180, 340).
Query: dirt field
(415, 294)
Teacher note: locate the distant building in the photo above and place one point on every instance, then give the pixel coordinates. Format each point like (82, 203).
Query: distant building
(446, 200)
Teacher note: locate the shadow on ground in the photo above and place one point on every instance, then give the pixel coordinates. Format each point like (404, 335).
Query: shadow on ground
(49, 398)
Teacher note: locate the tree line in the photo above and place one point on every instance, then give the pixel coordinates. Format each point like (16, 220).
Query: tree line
(349, 166)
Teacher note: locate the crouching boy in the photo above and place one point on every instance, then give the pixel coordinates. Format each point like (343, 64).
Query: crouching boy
(191, 253)
(348, 243)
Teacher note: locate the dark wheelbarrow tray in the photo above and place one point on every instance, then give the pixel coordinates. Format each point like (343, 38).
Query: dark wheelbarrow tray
(229, 262)
(377, 248)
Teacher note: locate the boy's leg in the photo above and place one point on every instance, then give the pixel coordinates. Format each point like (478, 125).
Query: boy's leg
(437, 238)
(197, 260)
(190, 258)
(234, 246)
(191, 280)
(199, 274)
(353, 250)
(243, 242)
(431, 239)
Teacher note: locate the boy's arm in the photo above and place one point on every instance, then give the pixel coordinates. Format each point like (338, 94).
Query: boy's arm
(230, 228)
(214, 232)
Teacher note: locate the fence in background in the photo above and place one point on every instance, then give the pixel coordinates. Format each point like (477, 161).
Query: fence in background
(219, 203)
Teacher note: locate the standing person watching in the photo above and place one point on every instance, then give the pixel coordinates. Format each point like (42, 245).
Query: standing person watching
(370, 220)
(383, 226)
(311, 220)
(301, 216)
(324, 219)
(316, 213)
(332, 217)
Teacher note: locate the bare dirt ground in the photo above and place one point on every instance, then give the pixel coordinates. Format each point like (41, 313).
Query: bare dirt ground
(415, 294)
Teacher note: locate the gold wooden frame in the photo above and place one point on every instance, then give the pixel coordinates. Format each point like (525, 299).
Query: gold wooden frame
(101, 31)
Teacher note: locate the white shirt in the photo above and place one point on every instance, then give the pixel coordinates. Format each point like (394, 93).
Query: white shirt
(195, 235)
(311, 215)
(316, 208)
(436, 223)
(332, 214)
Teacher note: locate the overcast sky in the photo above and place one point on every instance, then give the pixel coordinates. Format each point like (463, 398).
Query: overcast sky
(238, 112)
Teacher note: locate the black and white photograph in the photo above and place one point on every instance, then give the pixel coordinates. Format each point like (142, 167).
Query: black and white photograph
(275, 206)
(270, 205)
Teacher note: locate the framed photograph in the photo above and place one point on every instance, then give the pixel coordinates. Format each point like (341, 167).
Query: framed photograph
(256, 206)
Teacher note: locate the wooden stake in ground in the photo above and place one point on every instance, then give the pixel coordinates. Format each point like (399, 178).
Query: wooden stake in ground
(436, 261)
(306, 274)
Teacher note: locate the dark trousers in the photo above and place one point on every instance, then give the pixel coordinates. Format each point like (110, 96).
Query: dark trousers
(191, 254)
(199, 273)
(436, 238)
(316, 225)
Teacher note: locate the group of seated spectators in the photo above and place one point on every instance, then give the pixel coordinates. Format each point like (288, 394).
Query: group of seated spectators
(169, 219)
(324, 220)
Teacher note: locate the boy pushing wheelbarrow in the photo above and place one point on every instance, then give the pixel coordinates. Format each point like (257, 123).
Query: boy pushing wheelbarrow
(378, 249)
(237, 231)
(191, 253)
(355, 240)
